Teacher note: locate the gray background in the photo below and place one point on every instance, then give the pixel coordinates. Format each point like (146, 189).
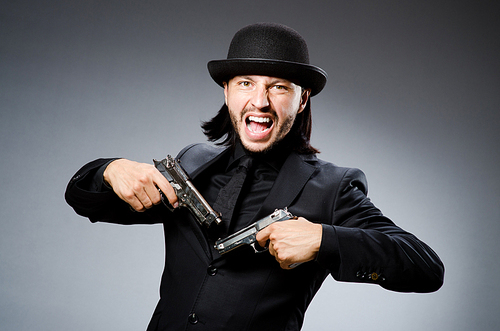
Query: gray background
(412, 99)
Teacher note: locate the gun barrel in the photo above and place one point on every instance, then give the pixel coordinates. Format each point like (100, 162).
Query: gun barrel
(247, 235)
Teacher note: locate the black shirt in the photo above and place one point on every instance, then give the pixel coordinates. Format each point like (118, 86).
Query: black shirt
(258, 183)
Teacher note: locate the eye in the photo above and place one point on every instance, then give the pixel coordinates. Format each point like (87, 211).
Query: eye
(245, 83)
(280, 88)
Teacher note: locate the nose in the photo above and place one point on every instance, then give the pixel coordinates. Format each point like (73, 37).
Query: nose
(260, 98)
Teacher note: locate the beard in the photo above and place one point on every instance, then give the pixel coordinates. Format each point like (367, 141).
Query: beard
(283, 126)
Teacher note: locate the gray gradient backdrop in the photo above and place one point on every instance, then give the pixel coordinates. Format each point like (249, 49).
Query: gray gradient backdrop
(412, 99)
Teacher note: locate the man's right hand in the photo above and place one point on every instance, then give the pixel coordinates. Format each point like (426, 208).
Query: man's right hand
(137, 184)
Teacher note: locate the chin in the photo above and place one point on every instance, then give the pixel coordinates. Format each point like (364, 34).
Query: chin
(255, 148)
(259, 148)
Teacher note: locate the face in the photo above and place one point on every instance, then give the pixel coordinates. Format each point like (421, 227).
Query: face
(263, 109)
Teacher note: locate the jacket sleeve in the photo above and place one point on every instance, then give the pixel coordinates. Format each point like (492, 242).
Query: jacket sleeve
(101, 204)
(362, 245)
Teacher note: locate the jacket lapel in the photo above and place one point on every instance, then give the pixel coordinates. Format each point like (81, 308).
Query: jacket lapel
(200, 158)
(292, 177)
(194, 165)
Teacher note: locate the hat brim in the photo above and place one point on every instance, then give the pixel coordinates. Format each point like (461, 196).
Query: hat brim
(306, 75)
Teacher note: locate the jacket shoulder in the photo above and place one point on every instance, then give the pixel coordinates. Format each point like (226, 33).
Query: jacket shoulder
(194, 156)
(328, 172)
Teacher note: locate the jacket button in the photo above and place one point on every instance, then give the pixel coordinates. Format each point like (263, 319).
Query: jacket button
(374, 276)
(193, 319)
(212, 271)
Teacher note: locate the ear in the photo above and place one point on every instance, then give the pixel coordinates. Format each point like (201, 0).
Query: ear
(303, 99)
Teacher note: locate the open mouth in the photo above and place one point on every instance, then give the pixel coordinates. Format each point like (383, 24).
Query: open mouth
(258, 124)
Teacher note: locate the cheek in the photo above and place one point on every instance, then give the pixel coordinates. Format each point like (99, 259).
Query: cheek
(287, 105)
(232, 115)
(288, 111)
(234, 106)
(235, 119)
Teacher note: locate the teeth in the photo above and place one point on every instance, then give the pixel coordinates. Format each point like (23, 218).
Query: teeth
(259, 119)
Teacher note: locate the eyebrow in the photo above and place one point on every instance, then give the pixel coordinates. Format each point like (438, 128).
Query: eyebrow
(245, 77)
(273, 82)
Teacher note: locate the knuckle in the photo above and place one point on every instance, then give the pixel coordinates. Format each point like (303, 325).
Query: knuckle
(156, 200)
(273, 236)
(282, 256)
(137, 187)
(139, 208)
(128, 195)
(273, 226)
(143, 179)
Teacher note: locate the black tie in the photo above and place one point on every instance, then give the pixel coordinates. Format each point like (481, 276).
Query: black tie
(228, 195)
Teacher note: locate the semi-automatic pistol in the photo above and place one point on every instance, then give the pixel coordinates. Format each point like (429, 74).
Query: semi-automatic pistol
(187, 195)
(247, 236)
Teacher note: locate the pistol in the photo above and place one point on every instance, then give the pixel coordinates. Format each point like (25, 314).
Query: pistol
(187, 194)
(247, 236)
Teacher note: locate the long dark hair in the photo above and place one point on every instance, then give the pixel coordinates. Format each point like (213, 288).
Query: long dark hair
(220, 130)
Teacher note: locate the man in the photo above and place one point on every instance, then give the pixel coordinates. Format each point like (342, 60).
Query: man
(265, 127)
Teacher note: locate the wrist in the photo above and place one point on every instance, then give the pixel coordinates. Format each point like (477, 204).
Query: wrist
(106, 174)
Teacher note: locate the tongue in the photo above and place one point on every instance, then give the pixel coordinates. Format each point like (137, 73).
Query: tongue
(257, 127)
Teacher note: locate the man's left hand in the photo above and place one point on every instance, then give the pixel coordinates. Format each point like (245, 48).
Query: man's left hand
(292, 241)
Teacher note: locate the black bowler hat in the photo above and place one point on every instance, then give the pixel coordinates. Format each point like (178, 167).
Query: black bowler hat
(269, 49)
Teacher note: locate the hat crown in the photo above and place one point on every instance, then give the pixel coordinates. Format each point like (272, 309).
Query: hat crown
(269, 41)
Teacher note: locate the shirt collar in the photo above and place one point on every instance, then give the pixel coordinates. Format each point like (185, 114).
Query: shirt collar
(274, 158)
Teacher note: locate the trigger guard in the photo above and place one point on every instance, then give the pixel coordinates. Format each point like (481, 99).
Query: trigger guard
(165, 201)
(259, 249)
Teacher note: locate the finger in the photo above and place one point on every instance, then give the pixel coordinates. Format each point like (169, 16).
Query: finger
(133, 202)
(168, 191)
(262, 237)
(285, 265)
(273, 252)
(144, 199)
(153, 194)
(139, 207)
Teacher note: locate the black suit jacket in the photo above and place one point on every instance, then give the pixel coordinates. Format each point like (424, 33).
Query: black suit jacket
(246, 291)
